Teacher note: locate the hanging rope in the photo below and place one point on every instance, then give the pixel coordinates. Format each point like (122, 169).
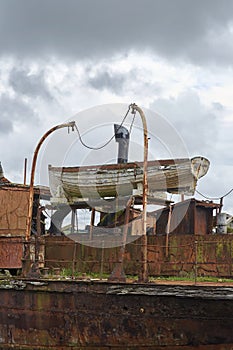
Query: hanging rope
(106, 143)
(131, 126)
(214, 198)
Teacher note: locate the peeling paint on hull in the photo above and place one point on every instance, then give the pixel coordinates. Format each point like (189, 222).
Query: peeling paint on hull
(97, 315)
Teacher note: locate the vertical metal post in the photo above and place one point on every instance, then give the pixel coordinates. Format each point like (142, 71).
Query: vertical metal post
(25, 171)
(144, 271)
(195, 267)
(92, 223)
(102, 261)
(168, 229)
(221, 204)
(154, 225)
(230, 267)
(118, 274)
(73, 212)
(74, 260)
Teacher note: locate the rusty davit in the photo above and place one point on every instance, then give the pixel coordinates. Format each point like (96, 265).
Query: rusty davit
(135, 276)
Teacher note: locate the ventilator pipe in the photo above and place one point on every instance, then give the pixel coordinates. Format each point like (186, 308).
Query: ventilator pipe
(122, 137)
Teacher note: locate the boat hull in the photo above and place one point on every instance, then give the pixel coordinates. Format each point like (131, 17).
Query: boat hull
(99, 315)
(172, 175)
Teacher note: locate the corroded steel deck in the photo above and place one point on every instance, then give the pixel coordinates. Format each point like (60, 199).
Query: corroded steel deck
(59, 314)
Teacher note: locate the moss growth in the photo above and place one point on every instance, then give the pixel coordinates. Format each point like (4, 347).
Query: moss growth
(219, 250)
(200, 252)
(190, 278)
(77, 274)
(5, 282)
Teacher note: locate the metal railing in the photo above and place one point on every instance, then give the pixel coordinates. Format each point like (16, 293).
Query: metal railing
(196, 257)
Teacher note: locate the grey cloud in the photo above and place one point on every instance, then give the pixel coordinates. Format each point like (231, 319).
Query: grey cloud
(14, 110)
(81, 29)
(196, 124)
(218, 106)
(104, 80)
(204, 133)
(119, 83)
(5, 125)
(33, 85)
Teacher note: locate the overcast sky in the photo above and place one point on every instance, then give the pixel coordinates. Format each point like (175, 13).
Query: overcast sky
(174, 57)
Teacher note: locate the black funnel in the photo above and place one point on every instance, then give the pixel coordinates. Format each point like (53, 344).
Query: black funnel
(122, 137)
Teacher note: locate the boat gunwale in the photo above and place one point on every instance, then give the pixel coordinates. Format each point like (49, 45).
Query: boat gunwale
(160, 162)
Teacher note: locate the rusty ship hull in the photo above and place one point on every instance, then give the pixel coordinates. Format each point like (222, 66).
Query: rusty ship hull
(52, 314)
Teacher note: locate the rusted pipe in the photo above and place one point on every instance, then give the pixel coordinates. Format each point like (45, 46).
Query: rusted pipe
(92, 223)
(31, 190)
(118, 274)
(25, 171)
(221, 205)
(195, 263)
(73, 216)
(168, 229)
(144, 272)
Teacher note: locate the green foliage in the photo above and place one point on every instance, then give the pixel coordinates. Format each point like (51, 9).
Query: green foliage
(191, 278)
(68, 272)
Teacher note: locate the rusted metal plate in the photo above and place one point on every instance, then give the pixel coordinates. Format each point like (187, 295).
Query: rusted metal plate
(13, 210)
(90, 315)
(213, 257)
(188, 217)
(11, 252)
(14, 200)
